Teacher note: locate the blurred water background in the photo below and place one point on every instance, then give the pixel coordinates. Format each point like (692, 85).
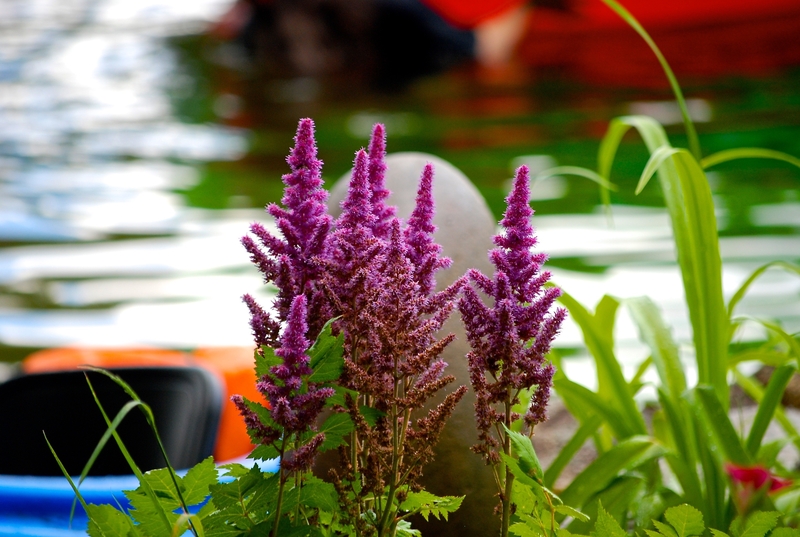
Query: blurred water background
(135, 149)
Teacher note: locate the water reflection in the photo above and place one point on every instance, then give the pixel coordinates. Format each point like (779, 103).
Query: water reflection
(95, 167)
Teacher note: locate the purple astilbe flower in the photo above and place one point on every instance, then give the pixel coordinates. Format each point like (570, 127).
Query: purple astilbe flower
(265, 328)
(510, 339)
(382, 287)
(291, 409)
(423, 251)
(354, 251)
(377, 175)
(290, 261)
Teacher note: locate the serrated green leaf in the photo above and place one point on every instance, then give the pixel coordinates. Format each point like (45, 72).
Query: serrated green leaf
(198, 479)
(562, 532)
(426, 504)
(371, 415)
(785, 532)
(336, 427)
(234, 469)
(106, 521)
(665, 530)
(326, 354)
(263, 362)
(653, 533)
(718, 533)
(522, 476)
(263, 497)
(404, 529)
(526, 455)
(161, 484)
(570, 511)
(320, 495)
(232, 495)
(264, 452)
(524, 530)
(524, 497)
(755, 525)
(606, 525)
(686, 520)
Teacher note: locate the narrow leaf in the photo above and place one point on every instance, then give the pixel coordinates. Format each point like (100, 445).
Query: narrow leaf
(767, 406)
(654, 332)
(722, 432)
(747, 152)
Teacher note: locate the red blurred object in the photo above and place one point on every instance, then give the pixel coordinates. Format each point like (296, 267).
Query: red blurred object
(756, 477)
(471, 13)
(700, 39)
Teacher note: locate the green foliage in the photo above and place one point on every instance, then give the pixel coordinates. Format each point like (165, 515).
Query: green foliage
(427, 504)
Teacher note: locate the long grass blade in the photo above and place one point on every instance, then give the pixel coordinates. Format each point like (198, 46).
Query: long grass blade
(747, 152)
(694, 225)
(657, 158)
(188, 521)
(577, 396)
(742, 291)
(767, 406)
(72, 484)
(722, 433)
(789, 339)
(628, 454)
(683, 460)
(565, 455)
(756, 391)
(598, 334)
(654, 332)
(130, 405)
(578, 171)
(151, 421)
(691, 133)
(133, 466)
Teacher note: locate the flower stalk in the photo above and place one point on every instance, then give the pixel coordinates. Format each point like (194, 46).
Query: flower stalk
(510, 339)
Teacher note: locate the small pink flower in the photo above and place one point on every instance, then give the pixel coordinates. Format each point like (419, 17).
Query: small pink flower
(756, 477)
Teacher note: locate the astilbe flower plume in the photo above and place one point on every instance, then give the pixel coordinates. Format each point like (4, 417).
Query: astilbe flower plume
(511, 338)
(380, 277)
(376, 279)
(295, 403)
(289, 261)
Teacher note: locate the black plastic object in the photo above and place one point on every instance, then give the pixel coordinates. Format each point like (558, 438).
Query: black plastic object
(186, 403)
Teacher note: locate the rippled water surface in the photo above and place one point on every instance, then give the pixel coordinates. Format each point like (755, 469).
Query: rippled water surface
(135, 151)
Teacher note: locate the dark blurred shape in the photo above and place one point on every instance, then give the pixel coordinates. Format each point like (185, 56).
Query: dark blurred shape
(380, 44)
(186, 403)
(386, 44)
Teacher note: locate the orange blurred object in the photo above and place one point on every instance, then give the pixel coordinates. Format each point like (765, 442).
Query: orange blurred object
(237, 366)
(233, 365)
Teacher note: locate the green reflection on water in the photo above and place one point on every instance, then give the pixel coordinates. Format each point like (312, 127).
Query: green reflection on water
(481, 127)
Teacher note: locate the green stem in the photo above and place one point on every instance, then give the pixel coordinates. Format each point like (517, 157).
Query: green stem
(691, 133)
(509, 481)
(281, 487)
